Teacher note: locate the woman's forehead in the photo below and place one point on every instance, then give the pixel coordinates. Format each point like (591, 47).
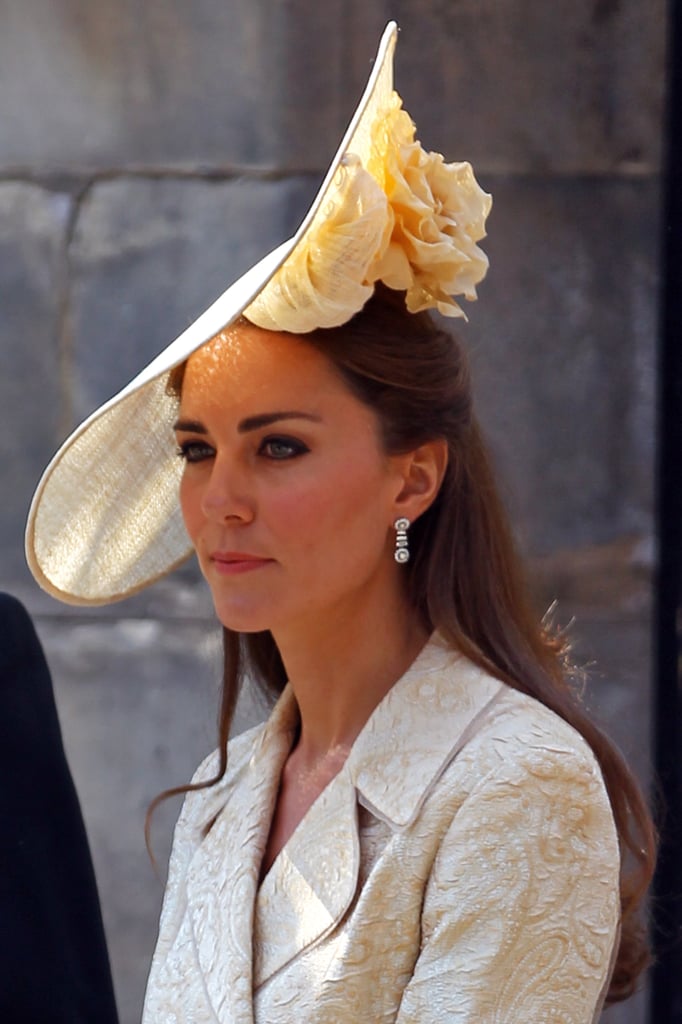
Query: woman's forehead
(244, 360)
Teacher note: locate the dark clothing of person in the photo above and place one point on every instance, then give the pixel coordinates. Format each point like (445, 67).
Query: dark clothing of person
(54, 965)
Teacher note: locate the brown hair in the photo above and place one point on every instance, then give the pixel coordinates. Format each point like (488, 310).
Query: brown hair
(464, 576)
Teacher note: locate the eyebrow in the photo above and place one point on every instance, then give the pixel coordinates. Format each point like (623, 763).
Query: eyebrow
(264, 419)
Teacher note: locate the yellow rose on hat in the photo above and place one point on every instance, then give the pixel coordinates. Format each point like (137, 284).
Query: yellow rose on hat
(439, 212)
(396, 214)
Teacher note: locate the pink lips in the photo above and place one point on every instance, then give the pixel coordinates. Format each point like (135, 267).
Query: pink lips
(231, 563)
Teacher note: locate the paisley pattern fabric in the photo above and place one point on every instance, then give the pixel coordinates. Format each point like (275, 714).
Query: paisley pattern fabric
(461, 867)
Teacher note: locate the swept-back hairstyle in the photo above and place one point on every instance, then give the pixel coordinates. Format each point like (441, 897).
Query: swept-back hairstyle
(464, 577)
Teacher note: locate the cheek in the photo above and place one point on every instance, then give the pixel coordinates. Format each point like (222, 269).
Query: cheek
(339, 507)
(297, 514)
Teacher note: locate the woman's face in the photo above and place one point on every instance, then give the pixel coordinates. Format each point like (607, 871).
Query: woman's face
(287, 494)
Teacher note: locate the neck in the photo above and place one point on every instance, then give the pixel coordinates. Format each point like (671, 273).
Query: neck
(341, 668)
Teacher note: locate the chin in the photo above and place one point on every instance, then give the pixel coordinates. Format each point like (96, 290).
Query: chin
(241, 619)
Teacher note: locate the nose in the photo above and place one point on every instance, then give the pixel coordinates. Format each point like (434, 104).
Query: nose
(226, 493)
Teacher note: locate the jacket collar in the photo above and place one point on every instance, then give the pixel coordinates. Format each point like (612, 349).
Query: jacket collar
(418, 728)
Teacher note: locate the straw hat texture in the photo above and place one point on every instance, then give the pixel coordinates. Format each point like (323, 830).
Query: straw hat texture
(105, 520)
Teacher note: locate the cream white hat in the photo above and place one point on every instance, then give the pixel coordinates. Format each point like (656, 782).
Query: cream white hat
(105, 520)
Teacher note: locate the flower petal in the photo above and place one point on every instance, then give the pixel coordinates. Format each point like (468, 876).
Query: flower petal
(324, 281)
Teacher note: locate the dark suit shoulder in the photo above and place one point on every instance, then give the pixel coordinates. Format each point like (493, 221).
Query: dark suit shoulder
(19, 643)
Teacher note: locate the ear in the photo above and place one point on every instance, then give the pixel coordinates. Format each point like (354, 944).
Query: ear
(422, 473)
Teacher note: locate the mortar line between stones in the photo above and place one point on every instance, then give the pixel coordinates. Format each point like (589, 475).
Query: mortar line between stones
(77, 181)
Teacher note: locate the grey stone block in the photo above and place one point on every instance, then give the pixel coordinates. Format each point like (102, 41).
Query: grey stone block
(571, 87)
(110, 84)
(32, 231)
(138, 703)
(149, 256)
(563, 345)
(567, 85)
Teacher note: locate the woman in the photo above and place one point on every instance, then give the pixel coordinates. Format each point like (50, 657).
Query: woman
(427, 828)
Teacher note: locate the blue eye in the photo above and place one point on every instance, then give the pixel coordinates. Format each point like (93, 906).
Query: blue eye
(195, 451)
(281, 448)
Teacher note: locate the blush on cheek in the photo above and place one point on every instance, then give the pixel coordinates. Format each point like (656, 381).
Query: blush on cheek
(297, 509)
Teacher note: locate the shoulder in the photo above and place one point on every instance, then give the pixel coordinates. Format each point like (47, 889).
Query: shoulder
(526, 792)
(11, 609)
(25, 681)
(239, 749)
(522, 729)
(512, 743)
(525, 869)
(485, 722)
(19, 639)
(525, 761)
(202, 805)
(253, 758)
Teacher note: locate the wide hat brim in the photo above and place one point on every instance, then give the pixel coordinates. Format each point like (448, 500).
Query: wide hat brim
(105, 520)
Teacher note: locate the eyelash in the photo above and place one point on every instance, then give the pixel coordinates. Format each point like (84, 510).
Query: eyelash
(295, 448)
(198, 451)
(194, 451)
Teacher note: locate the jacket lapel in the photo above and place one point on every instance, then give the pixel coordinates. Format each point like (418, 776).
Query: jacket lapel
(311, 884)
(223, 876)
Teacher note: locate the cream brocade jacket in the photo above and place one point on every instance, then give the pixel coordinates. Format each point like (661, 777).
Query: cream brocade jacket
(462, 867)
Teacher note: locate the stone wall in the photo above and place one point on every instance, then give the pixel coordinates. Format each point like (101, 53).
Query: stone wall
(151, 150)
